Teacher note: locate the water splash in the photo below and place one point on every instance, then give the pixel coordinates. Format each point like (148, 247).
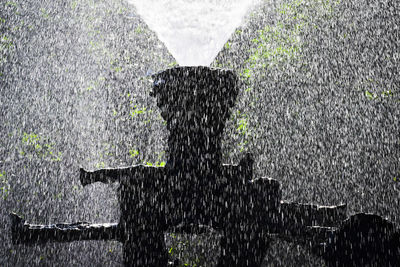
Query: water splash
(193, 31)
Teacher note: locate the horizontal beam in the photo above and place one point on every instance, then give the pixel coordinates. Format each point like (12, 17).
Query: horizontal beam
(296, 223)
(124, 174)
(31, 234)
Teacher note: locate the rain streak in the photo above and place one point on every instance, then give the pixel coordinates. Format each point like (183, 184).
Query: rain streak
(200, 133)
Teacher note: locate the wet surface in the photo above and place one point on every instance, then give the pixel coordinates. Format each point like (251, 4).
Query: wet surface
(318, 108)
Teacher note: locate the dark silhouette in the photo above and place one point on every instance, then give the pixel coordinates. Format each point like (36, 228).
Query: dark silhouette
(195, 189)
(364, 240)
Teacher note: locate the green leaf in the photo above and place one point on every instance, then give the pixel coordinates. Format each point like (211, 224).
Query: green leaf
(160, 164)
(133, 153)
(137, 111)
(387, 93)
(369, 95)
(173, 64)
(139, 30)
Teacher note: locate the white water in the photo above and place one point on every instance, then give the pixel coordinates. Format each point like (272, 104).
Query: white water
(194, 31)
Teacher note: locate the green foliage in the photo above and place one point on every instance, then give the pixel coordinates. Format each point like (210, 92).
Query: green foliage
(122, 10)
(243, 129)
(280, 43)
(133, 153)
(6, 46)
(387, 93)
(173, 64)
(102, 157)
(242, 124)
(11, 3)
(58, 196)
(100, 165)
(374, 90)
(370, 95)
(30, 139)
(139, 30)
(227, 45)
(138, 157)
(74, 4)
(397, 177)
(247, 73)
(35, 145)
(44, 13)
(4, 185)
(274, 50)
(156, 164)
(135, 111)
(117, 69)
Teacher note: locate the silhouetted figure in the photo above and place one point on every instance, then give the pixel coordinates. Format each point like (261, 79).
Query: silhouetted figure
(196, 189)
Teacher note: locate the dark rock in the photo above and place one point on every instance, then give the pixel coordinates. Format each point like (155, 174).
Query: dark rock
(364, 240)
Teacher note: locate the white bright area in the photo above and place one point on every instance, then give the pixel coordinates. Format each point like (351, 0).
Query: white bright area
(194, 31)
